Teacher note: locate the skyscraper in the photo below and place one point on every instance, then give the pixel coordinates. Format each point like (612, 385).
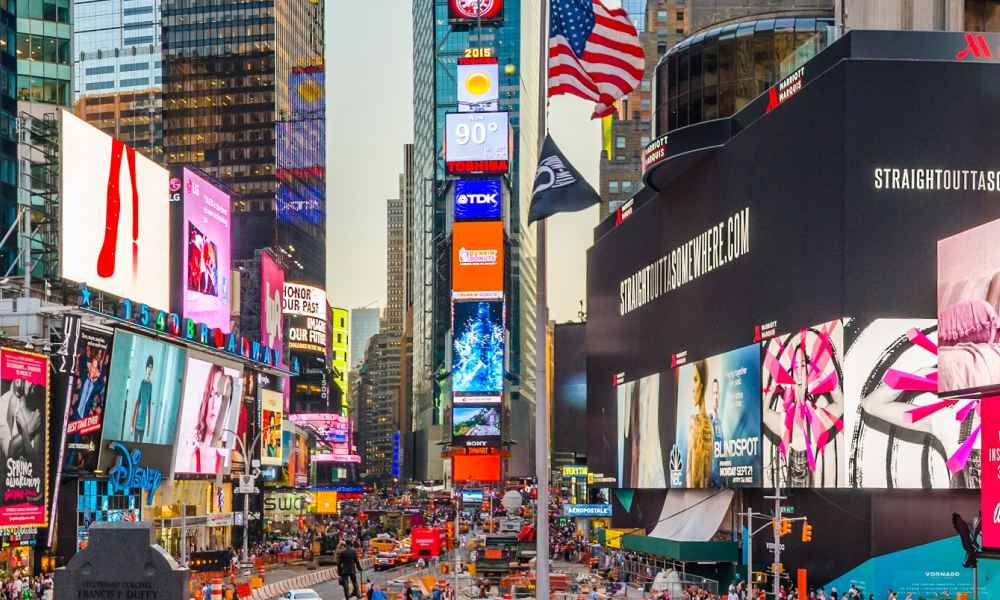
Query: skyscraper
(44, 70)
(364, 324)
(243, 99)
(118, 70)
(437, 47)
(636, 10)
(378, 421)
(395, 270)
(8, 131)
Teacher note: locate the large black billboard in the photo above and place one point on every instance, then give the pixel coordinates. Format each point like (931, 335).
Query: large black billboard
(569, 388)
(813, 233)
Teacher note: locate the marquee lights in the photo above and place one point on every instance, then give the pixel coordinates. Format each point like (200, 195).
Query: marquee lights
(187, 330)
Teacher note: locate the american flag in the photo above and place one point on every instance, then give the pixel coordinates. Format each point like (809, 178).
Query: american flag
(594, 53)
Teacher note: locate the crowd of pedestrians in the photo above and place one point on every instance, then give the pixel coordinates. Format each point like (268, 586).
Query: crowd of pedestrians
(28, 588)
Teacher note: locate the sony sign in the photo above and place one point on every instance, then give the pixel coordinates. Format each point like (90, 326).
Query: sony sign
(478, 199)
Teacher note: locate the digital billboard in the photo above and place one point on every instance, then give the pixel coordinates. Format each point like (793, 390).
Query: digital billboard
(569, 387)
(477, 257)
(477, 142)
(115, 208)
(989, 503)
(475, 426)
(802, 379)
(472, 496)
(478, 84)
(968, 291)
(87, 400)
(24, 438)
(301, 149)
(478, 199)
(477, 358)
(304, 300)
(305, 311)
(209, 416)
(207, 244)
(271, 408)
(272, 290)
(144, 395)
(717, 441)
(890, 242)
(480, 468)
(646, 415)
(475, 11)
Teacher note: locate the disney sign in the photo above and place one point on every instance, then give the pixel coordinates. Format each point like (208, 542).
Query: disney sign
(127, 474)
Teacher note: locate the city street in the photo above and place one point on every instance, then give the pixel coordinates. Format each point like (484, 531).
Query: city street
(696, 299)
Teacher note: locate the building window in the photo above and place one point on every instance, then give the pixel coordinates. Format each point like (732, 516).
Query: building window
(644, 140)
(661, 49)
(43, 49)
(661, 15)
(679, 31)
(626, 186)
(138, 10)
(134, 82)
(135, 41)
(645, 85)
(100, 70)
(133, 67)
(620, 141)
(613, 187)
(680, 15)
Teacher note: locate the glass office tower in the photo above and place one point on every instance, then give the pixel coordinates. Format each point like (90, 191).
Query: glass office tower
(118, 70)
(243, 99)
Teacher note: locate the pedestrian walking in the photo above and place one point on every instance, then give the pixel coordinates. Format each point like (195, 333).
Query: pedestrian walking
(348, 566)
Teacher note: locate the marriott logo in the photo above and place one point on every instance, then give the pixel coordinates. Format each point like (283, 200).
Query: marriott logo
(975, 46)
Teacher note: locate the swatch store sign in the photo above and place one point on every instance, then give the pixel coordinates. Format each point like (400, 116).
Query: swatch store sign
(287, 503)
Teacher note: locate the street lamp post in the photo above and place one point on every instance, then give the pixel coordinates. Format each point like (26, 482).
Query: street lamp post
(252, 478)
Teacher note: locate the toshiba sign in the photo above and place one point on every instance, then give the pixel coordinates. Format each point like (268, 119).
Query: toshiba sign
(477, 257)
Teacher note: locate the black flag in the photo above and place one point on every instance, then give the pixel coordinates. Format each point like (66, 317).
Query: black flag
(559, 187)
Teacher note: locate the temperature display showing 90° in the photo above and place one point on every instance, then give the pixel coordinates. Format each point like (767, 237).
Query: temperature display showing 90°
(480, 136)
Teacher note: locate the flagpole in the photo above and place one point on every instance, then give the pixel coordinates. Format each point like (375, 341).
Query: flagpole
(541, 322)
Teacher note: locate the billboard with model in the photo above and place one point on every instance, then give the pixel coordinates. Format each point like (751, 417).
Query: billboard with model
(206, 252)
(144, 395)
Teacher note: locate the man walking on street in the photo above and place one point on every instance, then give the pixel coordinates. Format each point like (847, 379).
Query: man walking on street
(347, 568)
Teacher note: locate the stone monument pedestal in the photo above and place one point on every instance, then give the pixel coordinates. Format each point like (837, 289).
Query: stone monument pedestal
(121, 562)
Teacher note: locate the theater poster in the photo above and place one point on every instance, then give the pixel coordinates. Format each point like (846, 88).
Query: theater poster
(24, 396)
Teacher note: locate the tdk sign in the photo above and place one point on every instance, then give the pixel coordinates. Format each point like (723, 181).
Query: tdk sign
(477, 199)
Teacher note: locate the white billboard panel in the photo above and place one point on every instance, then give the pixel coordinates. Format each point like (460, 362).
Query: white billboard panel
(476, 136)
(478, 89)
(115, 217)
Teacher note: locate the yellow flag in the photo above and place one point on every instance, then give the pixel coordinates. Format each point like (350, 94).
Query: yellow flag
(606, 135)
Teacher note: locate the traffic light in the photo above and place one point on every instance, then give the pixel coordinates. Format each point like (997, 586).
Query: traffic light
(786, 527)
(807, 532)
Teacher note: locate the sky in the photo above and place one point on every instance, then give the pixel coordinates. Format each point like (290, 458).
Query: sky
(369, 118)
